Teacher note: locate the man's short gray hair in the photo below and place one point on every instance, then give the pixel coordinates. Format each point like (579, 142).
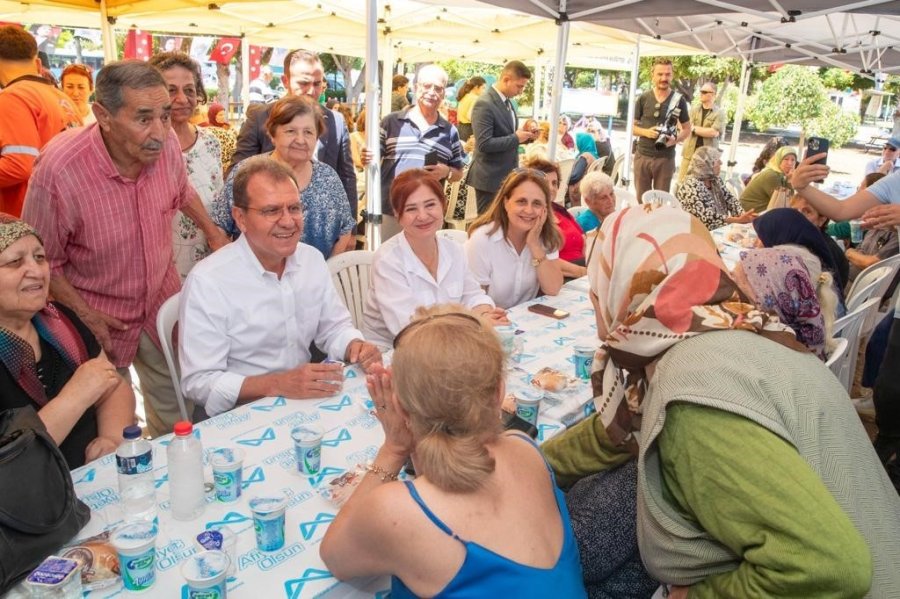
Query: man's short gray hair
(258, 165)
(433, 68)
(116, 76)
(595, 183)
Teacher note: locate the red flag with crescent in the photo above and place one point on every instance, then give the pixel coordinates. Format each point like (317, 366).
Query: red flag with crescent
(138, 44)
(255, 61)
(225, 50)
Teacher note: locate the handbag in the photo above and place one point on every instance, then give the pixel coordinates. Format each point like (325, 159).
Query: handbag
(39, 511)
(780, 198)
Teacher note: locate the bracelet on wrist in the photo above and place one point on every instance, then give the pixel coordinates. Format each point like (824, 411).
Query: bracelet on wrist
(381, 473)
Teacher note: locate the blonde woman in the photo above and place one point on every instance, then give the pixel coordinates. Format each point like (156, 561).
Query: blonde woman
(484, 516)
(513, 248)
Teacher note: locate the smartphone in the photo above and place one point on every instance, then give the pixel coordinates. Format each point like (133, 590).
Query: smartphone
(511, 422)
(817, 145)
(545, 310)
(431, 158)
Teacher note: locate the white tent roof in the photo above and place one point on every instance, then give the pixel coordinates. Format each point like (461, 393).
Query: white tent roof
(862, 35)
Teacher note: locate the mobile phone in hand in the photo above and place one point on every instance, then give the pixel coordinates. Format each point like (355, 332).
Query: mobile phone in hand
(431, 158)
(817, 145)
(545, 310)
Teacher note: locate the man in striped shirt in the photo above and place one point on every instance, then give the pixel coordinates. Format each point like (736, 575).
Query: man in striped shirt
(103, 198)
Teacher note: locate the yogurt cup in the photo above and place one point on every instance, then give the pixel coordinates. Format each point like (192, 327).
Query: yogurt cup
(528, 404)
(507, 334)
(220, 538)
(227, 464)
(308, 448)
(205, 574)
(583, 356)
(136, 545)
(268, 521)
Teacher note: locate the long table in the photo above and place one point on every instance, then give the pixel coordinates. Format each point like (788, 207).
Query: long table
(262, 430)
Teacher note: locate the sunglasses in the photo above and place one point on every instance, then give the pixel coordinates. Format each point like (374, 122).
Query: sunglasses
(890, 148)
(705, 91)
(417, 323)
(530, 171)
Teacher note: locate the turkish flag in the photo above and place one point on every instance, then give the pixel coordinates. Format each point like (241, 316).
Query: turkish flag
(256, 53)
(138, 44)
(225, 50)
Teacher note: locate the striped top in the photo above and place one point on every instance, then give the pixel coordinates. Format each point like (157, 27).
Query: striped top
(110, 237)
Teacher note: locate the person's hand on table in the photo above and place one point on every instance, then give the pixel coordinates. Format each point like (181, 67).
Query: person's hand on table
(806, 172)
(496, 316)
(100, 324)
(397, 437)
(743, 219)
(363, 353)
(100, 447)
(883, 216)
(310, 381)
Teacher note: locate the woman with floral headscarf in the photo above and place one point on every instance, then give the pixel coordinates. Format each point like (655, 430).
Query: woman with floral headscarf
(777, 174)
(703, 195)
(755, 476)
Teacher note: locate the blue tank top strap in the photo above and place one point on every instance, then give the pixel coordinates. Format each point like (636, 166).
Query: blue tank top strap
(431, 515)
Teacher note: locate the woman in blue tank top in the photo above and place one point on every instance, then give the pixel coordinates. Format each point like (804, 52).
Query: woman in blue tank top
(484, 517)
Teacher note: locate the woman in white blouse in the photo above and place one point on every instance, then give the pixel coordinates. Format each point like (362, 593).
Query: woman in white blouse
(418, 268)
(513, 248)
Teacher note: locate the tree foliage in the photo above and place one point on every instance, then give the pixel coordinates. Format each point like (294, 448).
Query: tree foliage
(793, 96)
(834, 124)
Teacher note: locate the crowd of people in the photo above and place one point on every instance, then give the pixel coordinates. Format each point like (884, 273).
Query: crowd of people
(113, 206)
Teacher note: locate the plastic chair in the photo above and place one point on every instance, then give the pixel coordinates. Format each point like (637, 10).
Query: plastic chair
(350, 273)
(836, 361)
(624, 197)
(576, 210)
(457, 235)
(850, 327)
(471, 212)
(166, 319)
(874, 284)
(617, 169)
(565, 172)
(867, 276)
(659, 197)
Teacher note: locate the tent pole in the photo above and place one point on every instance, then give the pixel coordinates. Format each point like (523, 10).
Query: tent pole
(387, 55)
(109, 39)
(245, 73)
(559, 73)
(625, 173)
(538, 89)
(373, 123)
(738, 118)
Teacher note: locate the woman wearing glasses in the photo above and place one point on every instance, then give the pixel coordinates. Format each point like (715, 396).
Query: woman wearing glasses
(294, 125)
(78, 83)
(417, 268)
(200, 148)
(484, 516)
(513, 248)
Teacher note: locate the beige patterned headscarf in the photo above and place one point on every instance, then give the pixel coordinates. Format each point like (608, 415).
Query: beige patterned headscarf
(13, 229)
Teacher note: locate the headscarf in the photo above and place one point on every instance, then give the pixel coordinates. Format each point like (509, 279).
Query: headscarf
(775, 161)
(658, 280)
(214, 109)
(584, 142)
(784, 286)
(52, 326)
(566, 138)
(786, 226)
(703, 168)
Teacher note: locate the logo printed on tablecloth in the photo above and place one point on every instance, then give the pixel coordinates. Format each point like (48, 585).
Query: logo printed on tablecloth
(314, 481)
(229, 519)
(342, 437)
(267, 561)
(101, 498)
(268, 435)
(561, 341)
(257, 476)
(345, 402)
(308, 529)
(294, 586)
(544, 428)
(170, 555)
(88, 477)
(158, 482)
(280, 402)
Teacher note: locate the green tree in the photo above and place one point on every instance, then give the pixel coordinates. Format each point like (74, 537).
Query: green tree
(792, 96)
(834, 124)
(834, 78)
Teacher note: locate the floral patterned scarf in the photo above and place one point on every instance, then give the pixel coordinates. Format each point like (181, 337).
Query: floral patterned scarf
(783, 286)
(657, 280)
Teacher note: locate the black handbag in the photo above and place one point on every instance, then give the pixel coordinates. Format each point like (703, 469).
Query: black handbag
(39, 511)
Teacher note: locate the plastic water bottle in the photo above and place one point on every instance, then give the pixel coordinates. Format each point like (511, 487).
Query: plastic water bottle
(134, 462)
(185, 457)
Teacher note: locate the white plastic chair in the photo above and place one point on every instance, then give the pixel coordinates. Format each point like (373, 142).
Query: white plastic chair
(836, 360)
(457, 235)
(659, 197)
(873, 285)
(471, 212)
(577, 210)
(166, 319)
(617, 169)
(624, 197)
(867, 276)
(565, 172)
(350, 273)
(850, 327)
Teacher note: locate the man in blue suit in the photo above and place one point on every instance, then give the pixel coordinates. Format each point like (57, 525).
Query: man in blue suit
(303, 76)
(497, 134)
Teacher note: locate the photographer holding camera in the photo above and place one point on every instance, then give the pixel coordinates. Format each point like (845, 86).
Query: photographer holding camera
(656, 117)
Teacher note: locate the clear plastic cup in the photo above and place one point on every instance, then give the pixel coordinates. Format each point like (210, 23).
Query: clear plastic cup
(220, 538)
(856, 232)
(268, 521)
(136, 546)
(308, 448)
(206, 573)
(227, 464)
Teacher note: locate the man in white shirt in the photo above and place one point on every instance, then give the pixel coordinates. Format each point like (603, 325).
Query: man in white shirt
(889, 161)
(250, 312)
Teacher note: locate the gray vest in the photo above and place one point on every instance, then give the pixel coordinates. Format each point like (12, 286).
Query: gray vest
(796, 397)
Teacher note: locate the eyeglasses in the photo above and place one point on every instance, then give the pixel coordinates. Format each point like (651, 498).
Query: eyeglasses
(530, 171)
(78, 69)
(705, 91)
(417, 323)
(432, 87)
(273, 213)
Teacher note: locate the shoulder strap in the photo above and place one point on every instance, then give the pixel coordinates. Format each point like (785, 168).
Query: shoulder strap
(531, 442)
(431, 515)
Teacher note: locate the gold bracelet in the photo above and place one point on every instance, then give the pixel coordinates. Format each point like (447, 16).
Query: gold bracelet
(383, 474)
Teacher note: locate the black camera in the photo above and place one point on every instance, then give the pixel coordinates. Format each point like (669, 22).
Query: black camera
(668, 129)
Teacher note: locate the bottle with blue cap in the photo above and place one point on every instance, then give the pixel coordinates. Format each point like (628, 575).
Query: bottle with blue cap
(134, 463)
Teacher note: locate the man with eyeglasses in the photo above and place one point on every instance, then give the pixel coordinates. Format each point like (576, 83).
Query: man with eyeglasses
(103, 198)
(707, 122)
(654, 165)
(32, 111)
(889, 161)
(417, 137)
(250, 311)
(303, 76)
